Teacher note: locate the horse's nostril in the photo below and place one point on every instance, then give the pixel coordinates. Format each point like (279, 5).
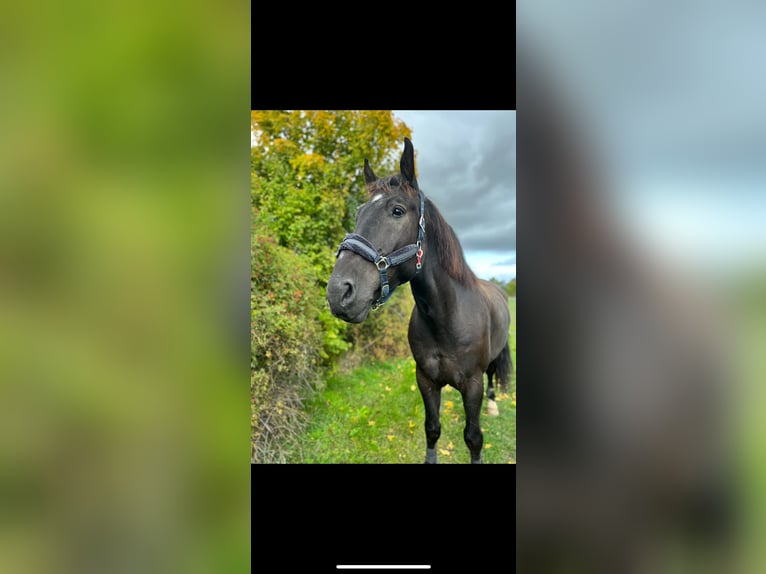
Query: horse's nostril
(348, 294)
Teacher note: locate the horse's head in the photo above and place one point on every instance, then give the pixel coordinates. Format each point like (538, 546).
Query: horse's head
(385, 249)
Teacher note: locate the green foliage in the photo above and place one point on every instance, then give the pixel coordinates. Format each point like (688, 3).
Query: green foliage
(307, 218)
(285, 340)
(333, 341)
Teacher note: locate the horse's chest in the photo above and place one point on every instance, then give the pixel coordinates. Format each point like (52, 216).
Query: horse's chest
(443, 368)
(447, 356)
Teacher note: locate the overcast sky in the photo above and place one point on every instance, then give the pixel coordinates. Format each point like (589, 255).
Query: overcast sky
(466, 165)
(674, 94)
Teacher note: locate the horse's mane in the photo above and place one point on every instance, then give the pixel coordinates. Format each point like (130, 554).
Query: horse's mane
(444, 244)
(442, 241)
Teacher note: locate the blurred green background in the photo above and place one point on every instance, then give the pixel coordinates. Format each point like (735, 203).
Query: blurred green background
(124, 233)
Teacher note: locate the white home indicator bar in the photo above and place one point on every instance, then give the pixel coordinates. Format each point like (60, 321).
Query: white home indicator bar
(383, 566)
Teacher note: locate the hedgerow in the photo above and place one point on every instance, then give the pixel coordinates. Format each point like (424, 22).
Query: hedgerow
(285, 343)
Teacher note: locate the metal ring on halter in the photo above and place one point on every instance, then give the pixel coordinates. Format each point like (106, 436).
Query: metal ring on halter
(385, 261)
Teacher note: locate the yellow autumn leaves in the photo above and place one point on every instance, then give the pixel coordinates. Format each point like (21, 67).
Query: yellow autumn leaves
(390, 436)
(504, 396)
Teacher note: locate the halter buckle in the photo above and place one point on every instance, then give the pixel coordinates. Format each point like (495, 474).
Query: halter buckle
(386, 263)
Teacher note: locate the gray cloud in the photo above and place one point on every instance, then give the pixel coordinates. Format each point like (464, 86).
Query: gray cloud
(466, 162)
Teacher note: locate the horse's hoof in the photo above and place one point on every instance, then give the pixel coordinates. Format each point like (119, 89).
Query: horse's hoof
(492, 408)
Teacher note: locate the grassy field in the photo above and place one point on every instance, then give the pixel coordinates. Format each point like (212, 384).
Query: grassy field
(375, 414)
(750, 424)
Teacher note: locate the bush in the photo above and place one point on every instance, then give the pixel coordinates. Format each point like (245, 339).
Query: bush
(286, 338)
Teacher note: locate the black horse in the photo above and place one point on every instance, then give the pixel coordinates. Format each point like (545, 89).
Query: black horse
(459, 326)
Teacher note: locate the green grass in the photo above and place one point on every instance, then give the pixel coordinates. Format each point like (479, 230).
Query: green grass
(375, 414)
(750, 424)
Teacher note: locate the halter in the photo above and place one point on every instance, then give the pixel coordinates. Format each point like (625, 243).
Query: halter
(359, 245)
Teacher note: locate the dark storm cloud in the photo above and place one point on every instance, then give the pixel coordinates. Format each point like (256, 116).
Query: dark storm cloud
(466, 162)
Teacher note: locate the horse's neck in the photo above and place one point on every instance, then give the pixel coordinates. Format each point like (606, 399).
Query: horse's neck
(435, 294)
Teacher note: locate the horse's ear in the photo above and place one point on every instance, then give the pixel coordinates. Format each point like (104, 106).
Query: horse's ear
(407, 163)
(369, 175)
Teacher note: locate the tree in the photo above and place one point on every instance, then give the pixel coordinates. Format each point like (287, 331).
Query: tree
(306, 173)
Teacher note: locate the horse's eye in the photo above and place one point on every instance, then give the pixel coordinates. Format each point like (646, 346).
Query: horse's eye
(397, 211)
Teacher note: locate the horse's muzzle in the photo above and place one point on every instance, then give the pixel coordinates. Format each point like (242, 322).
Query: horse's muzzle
(342, 295)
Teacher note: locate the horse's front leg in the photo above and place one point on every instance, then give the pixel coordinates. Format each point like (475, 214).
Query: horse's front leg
(473, 393)
(431, 393)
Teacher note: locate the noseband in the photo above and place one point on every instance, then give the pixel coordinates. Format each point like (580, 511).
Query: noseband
(359, 245)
